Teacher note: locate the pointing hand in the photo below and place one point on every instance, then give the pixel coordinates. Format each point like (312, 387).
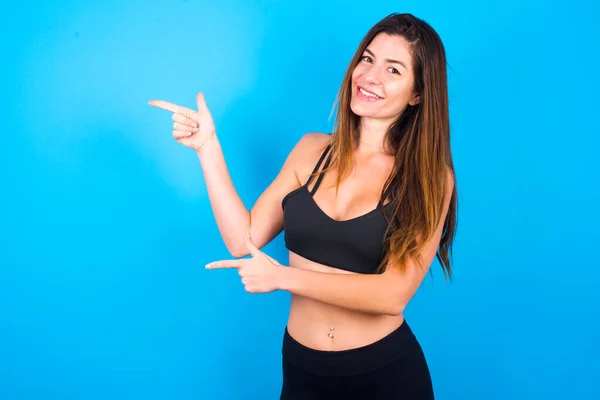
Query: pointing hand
(191, 128)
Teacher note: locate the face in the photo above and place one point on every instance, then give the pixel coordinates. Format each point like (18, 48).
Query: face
(382, 82)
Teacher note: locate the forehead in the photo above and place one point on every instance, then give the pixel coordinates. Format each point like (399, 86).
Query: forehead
(391, 46)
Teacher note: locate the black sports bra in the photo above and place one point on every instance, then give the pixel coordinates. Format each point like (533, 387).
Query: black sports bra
(353, 245)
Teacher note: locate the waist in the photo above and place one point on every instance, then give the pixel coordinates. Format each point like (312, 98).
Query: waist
(353, 361)
(311, 322)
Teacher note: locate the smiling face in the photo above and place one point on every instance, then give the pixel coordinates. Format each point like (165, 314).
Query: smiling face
(382, 81)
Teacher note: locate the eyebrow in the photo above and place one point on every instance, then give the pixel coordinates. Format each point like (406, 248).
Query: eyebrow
(388, 60)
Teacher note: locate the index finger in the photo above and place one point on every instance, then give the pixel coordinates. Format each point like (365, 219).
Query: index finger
(224, 264)
(165, 105)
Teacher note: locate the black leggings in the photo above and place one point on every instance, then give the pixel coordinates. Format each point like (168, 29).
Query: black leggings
(392, 368)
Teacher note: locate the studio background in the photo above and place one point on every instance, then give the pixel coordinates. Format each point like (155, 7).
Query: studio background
(105, 223)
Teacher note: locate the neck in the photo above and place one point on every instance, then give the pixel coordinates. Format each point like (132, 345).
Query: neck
(372, 135)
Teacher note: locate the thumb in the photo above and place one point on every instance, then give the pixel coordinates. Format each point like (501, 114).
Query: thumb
(251, 247)
(201, 103)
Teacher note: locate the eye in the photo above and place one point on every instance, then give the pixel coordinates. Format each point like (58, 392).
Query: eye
(366, 58)
(394, 71)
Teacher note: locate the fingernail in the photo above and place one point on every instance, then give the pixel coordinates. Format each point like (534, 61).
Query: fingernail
(207, 266)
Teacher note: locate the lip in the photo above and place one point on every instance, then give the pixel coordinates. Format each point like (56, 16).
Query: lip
(360, 95)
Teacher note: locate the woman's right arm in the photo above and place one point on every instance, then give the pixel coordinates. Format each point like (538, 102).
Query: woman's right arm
(265, 220)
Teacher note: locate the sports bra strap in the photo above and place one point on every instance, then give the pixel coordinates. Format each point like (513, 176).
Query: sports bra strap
(318, 165)
(314, 189)
(386, 194)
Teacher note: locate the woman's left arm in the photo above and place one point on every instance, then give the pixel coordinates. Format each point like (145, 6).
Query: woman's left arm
(387, 293)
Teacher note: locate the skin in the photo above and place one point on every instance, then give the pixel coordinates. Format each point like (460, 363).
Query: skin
(361, 308)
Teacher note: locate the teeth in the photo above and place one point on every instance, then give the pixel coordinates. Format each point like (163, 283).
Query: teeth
(367, 93)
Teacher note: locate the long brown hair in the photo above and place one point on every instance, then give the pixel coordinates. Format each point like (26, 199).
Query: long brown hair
(419, 140)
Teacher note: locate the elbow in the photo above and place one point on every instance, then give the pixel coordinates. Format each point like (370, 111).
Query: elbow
(236, 249)
(395, 306)
(239, 249)
(236, 246)
(394, 309)
(238, 252)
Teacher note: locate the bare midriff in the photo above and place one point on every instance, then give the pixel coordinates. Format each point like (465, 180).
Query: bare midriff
(322, 326)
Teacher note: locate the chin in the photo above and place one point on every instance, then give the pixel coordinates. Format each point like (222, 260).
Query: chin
(361, 111)
(358, 110)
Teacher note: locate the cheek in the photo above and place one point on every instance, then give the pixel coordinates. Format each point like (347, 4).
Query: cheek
(400, 93)
(356, 74)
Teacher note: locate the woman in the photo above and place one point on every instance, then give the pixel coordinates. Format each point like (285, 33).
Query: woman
(364, 210)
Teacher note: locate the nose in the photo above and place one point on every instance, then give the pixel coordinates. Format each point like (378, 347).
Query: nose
(373, 75)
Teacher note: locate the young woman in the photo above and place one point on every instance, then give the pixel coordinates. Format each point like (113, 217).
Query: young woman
(365, 210)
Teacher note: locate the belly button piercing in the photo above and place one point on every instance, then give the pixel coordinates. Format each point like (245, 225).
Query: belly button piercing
(331, 334)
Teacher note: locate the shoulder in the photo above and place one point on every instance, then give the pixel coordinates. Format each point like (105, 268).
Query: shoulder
(314, 141)
(450, 180)
(306, 152)
(449, 187)
(309, 147)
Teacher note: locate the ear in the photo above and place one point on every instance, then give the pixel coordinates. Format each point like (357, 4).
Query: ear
(415, 100)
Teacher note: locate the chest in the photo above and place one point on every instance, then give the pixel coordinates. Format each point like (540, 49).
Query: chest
(357, 195)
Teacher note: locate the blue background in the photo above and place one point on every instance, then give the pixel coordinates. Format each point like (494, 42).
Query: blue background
(106, 225)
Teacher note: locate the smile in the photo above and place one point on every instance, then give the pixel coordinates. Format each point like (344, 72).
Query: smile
(366, 95)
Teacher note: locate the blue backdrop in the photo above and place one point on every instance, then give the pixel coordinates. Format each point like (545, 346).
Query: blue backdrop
(106, 225)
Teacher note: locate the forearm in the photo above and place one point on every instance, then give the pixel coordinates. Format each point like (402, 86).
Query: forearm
(370, 293)
(231, 215)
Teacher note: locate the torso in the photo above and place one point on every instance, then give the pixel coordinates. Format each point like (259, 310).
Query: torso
(310, 321)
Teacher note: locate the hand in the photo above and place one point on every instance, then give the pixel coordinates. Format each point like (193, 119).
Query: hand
(191, 128)
(260, 274)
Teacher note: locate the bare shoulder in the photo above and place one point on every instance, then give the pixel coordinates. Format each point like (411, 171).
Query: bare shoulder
(450, 179)
(309, 146)
(306, 153)
(450, 182)
(311, 143)
(310, 150)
